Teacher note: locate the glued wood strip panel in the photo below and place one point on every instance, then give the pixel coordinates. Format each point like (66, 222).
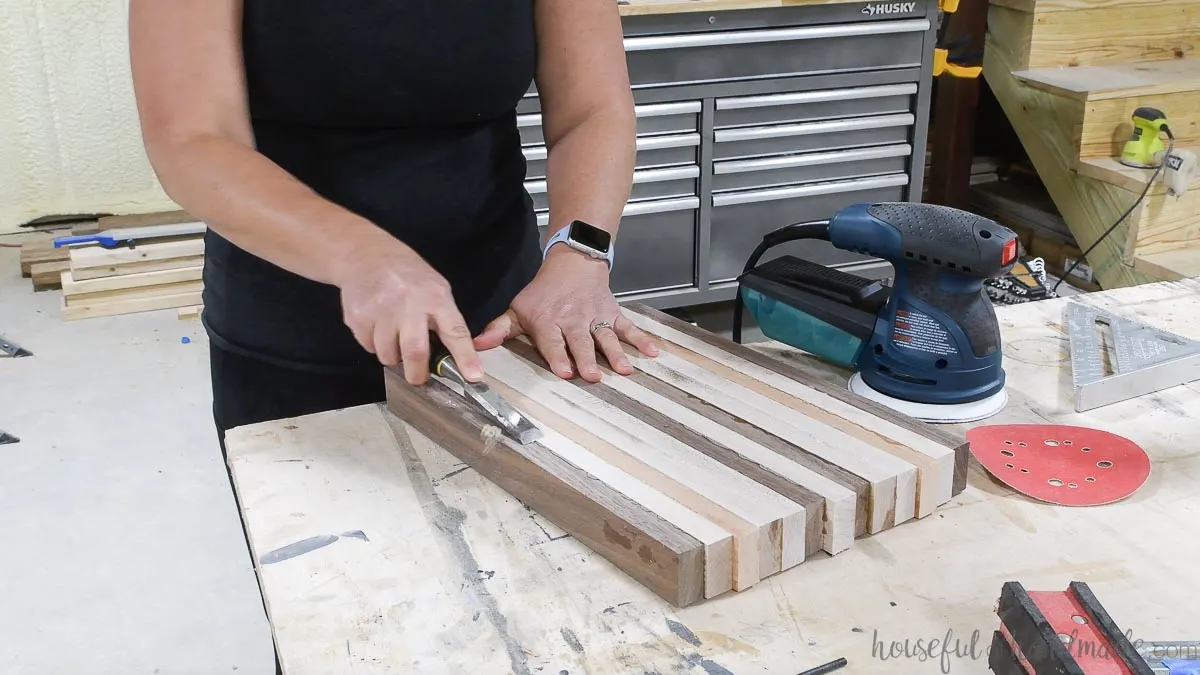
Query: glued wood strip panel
(778, 523)
(893, 482)
(651, 550)
(962, 450)
(830, 508)
(934, 461)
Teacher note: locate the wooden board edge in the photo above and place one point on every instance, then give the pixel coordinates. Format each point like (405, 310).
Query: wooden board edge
(659, 556)
(933, 433)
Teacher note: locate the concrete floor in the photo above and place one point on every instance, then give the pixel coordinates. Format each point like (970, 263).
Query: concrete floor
(120, 547)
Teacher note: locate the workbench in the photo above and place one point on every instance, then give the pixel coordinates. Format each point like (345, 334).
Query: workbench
(379, 553)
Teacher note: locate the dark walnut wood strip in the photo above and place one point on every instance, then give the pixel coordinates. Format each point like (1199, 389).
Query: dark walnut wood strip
(962, 449)
(814, 504)
(649, 549)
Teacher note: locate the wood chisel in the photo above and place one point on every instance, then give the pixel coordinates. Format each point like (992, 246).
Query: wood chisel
(516, 425)
(129, 236)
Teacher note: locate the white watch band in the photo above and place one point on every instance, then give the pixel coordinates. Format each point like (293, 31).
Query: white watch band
(563, 236)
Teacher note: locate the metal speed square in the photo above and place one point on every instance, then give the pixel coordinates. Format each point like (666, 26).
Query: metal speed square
(1146, 359)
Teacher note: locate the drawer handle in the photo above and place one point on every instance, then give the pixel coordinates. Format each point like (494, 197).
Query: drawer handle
(717, 39)
(639, 177)
(811, 190)
(808, 128)
(535, 153)
(802, 97)
(812, 159)
(643, 208)
(648, 110)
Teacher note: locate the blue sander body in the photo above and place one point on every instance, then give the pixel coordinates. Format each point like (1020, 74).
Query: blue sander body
(931, 340)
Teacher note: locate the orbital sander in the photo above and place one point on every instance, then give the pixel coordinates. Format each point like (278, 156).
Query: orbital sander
(928, 346)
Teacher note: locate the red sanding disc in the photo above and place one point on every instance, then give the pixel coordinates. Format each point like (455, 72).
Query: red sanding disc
(1070, 466)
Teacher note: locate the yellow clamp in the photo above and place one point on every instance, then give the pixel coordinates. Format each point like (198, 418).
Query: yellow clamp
(941, 64)
(948, 6)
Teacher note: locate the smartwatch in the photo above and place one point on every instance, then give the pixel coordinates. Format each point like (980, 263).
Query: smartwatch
(587, 239)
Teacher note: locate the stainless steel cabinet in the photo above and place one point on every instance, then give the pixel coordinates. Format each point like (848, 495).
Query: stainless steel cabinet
(749, 120)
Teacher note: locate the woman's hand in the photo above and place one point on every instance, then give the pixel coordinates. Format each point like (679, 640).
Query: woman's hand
(568, 311)
(392, 298)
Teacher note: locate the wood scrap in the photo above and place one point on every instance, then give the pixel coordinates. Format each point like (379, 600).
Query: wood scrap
(759, 465)
(163, 274)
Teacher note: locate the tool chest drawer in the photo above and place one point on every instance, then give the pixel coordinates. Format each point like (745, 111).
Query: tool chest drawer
(804, 106)
(655, 246)
(652, 119)
(652, 151)
(764, 172)
(679, 181)
(778, 139)
(720, 55)
(741, 219)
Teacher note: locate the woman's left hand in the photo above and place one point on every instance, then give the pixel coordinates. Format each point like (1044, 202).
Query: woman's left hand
(570, 314)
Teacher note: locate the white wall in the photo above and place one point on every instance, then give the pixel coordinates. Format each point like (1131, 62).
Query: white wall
(69, 137)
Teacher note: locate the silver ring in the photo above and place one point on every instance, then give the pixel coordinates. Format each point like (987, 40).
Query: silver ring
(602, 324)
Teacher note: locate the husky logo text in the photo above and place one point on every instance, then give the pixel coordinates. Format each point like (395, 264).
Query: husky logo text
(889, 8)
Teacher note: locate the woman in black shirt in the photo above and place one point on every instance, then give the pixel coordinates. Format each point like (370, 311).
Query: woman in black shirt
(359, 168)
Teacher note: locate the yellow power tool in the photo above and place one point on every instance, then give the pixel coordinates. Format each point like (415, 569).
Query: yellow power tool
(1143, 148)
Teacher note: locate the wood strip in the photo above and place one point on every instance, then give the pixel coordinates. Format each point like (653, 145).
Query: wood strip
(190, 312)
(779, 524)
(830, 508)
(96, 256)
(39, 251)
(893, 483)
(962, 449)
(642, 544)
(131, 305)
(674, 502)
(47, 276)
(934, 462)
(72, 287)
(119, 295)
(137, 268)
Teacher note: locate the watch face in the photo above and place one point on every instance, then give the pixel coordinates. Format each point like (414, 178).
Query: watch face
(591, 236)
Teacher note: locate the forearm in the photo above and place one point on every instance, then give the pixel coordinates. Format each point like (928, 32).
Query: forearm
(589, 169)
(248, 199)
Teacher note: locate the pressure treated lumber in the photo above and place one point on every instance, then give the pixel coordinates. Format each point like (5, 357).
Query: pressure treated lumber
(648, 548)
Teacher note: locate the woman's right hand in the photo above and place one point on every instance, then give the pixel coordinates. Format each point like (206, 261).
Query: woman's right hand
(392, 299)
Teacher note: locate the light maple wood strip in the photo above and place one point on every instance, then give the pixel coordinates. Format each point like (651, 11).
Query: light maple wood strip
(127, 281)
(780, 523)
(137, 267)
(639, 542)
(579, 447)
(47, 276)
(190, 312)
(131, 305)
(96, 256)
(115, 295)
(893, 482)
(934, 461)
(40, 251)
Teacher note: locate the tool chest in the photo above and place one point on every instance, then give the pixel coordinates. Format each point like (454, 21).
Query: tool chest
(752, 119)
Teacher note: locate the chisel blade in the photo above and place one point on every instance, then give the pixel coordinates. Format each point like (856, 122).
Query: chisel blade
(511, 421)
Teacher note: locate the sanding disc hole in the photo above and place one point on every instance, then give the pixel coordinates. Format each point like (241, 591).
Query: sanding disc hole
(1022, 444)
(1066, 442)
(1055, 482)
(1064, 638)
(1086, 449)
(1090, 479)
(1009, 465)
(1008, 442)
(1078, 619)
(1052, 443)
(1024, 470)
(1072, 485)
(1007, 453)
(1104, 465)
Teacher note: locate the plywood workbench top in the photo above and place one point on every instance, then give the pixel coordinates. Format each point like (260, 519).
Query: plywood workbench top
(639, 7)
(378, 550)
